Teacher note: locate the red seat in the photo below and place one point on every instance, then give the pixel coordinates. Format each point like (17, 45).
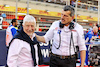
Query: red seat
(5, 24)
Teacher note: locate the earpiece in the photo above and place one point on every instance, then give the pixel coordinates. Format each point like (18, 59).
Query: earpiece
(71, 25)
(61, 25)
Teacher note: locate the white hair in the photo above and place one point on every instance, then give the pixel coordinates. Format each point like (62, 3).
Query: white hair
(29, 18)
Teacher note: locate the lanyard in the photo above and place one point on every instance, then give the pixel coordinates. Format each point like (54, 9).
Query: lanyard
(71, 39)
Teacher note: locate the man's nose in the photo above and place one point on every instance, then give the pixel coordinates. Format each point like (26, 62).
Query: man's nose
(30, 28)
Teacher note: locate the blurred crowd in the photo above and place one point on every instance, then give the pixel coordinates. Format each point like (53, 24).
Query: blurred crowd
(82, 5)
(62, 2)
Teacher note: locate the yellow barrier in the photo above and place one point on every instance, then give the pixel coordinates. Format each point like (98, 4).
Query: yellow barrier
(42, 12)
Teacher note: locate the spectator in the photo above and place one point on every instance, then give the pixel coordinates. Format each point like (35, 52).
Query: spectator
(92, 34)
(11, 31)
(73, 3)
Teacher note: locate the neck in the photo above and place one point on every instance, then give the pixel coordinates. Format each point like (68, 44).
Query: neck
(67, 24)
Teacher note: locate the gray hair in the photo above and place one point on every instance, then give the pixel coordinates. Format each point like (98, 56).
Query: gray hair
(29, 18)
(69, 8)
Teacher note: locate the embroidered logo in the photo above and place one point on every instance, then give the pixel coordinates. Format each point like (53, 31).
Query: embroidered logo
(59, 31)
(56, 28)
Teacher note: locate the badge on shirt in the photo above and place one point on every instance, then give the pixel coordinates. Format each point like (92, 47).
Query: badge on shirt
(59, 31)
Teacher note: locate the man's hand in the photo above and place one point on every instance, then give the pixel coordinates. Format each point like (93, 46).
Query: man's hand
(40, 38)
(94, 37)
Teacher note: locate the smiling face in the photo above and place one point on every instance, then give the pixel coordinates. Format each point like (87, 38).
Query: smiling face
(29, 28)
(65, 17)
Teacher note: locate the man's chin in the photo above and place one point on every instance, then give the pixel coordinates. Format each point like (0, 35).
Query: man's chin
(30, 34)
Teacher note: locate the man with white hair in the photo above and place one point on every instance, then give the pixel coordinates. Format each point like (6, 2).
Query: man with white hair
(24, 49)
